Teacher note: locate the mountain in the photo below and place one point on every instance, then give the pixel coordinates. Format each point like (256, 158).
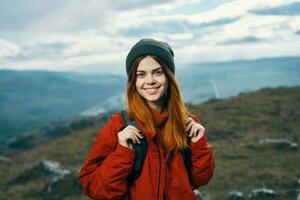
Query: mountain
(32, 100)
(203, 81)
(255, 137)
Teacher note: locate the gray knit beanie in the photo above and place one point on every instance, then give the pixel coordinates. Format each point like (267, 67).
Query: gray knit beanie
(151, 47)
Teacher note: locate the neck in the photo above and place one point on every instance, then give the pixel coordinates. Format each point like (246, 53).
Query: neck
(156, 105)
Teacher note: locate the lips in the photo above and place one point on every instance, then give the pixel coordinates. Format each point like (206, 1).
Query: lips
(151, 90)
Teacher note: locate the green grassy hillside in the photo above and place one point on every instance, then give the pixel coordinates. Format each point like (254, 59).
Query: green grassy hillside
(234, 124)
(234, 127)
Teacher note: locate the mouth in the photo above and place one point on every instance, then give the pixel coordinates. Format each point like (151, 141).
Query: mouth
(152, 89)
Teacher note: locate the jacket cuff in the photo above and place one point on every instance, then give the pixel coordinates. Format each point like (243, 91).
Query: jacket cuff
(127, 152)
(121, 160)
(200, 144)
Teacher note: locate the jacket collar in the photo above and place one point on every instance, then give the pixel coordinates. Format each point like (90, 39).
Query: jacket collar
(160, 119)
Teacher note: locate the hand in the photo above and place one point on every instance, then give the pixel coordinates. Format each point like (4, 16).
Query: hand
(129, 135)
(196, 129)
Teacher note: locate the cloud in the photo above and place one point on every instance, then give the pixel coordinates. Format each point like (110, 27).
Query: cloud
(200, 24)
(219, 22)
(78, 15)
(243, 40)
(15, 14)
(73, 16)
(83, 51)
(172, 26)
(8, 49)
(105, 63)
(181, 36)
(290, 9)
(96, 36)
(212, 53)
(137, 4)
(154, 27)
(64, 15)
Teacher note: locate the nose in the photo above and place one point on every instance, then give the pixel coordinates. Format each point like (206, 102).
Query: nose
(150, 79)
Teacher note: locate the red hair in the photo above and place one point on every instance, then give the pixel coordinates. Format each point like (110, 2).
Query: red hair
(174, 132)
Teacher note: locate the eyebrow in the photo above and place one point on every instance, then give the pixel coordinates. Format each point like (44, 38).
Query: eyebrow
(152, 70)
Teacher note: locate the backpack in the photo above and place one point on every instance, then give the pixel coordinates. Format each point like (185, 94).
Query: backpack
(141, 151)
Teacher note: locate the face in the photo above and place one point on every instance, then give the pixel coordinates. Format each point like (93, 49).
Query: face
(151, 82)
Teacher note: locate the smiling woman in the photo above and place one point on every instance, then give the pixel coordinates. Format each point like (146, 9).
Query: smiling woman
(177, 158)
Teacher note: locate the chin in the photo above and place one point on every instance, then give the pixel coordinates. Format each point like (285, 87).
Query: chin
(152, 99)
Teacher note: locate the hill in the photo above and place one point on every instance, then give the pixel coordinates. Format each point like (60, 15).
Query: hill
(32, 99)
(254, 135)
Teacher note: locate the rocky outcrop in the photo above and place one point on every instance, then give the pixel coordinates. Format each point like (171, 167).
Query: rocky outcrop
(4, 160)
(262, 193)
(43, 169)
(58, 183)
(236, 195)
(278, 143)
(59, 188)
(201, 196)
(55, 170)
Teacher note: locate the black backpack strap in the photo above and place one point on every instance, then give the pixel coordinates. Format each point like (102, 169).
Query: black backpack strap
(127, 120)
(186, 156)
(140, 150)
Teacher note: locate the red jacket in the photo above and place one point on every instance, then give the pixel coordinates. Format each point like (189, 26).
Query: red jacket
(103, 174)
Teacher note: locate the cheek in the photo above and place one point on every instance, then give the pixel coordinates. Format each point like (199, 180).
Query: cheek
(164, 82)
(138, 83)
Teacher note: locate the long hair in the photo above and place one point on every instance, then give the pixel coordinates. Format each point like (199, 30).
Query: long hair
(173, 134)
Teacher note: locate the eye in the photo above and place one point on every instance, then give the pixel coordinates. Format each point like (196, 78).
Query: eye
(158, 72)
(140, 75)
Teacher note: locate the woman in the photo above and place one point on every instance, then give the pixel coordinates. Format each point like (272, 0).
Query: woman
(155, 103)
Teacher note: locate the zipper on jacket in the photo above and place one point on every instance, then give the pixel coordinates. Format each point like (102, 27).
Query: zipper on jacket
(166, 180)
(166, 170)
(157, 194)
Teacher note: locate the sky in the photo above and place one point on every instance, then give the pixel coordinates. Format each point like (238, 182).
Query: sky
(95, 36)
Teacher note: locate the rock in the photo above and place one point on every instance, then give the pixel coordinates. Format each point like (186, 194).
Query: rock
(57, 183)
(293, 145)
(4, 159)
(52, 167)
(61, 187)
(44, 170)
(235, 195)
(201, 196)
(279, 143)
(262, 193)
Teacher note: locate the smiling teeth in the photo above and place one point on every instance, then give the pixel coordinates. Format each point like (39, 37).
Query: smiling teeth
(151, 90)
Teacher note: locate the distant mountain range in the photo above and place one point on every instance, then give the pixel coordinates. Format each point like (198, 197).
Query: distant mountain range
(203, 81)
(30, 100)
